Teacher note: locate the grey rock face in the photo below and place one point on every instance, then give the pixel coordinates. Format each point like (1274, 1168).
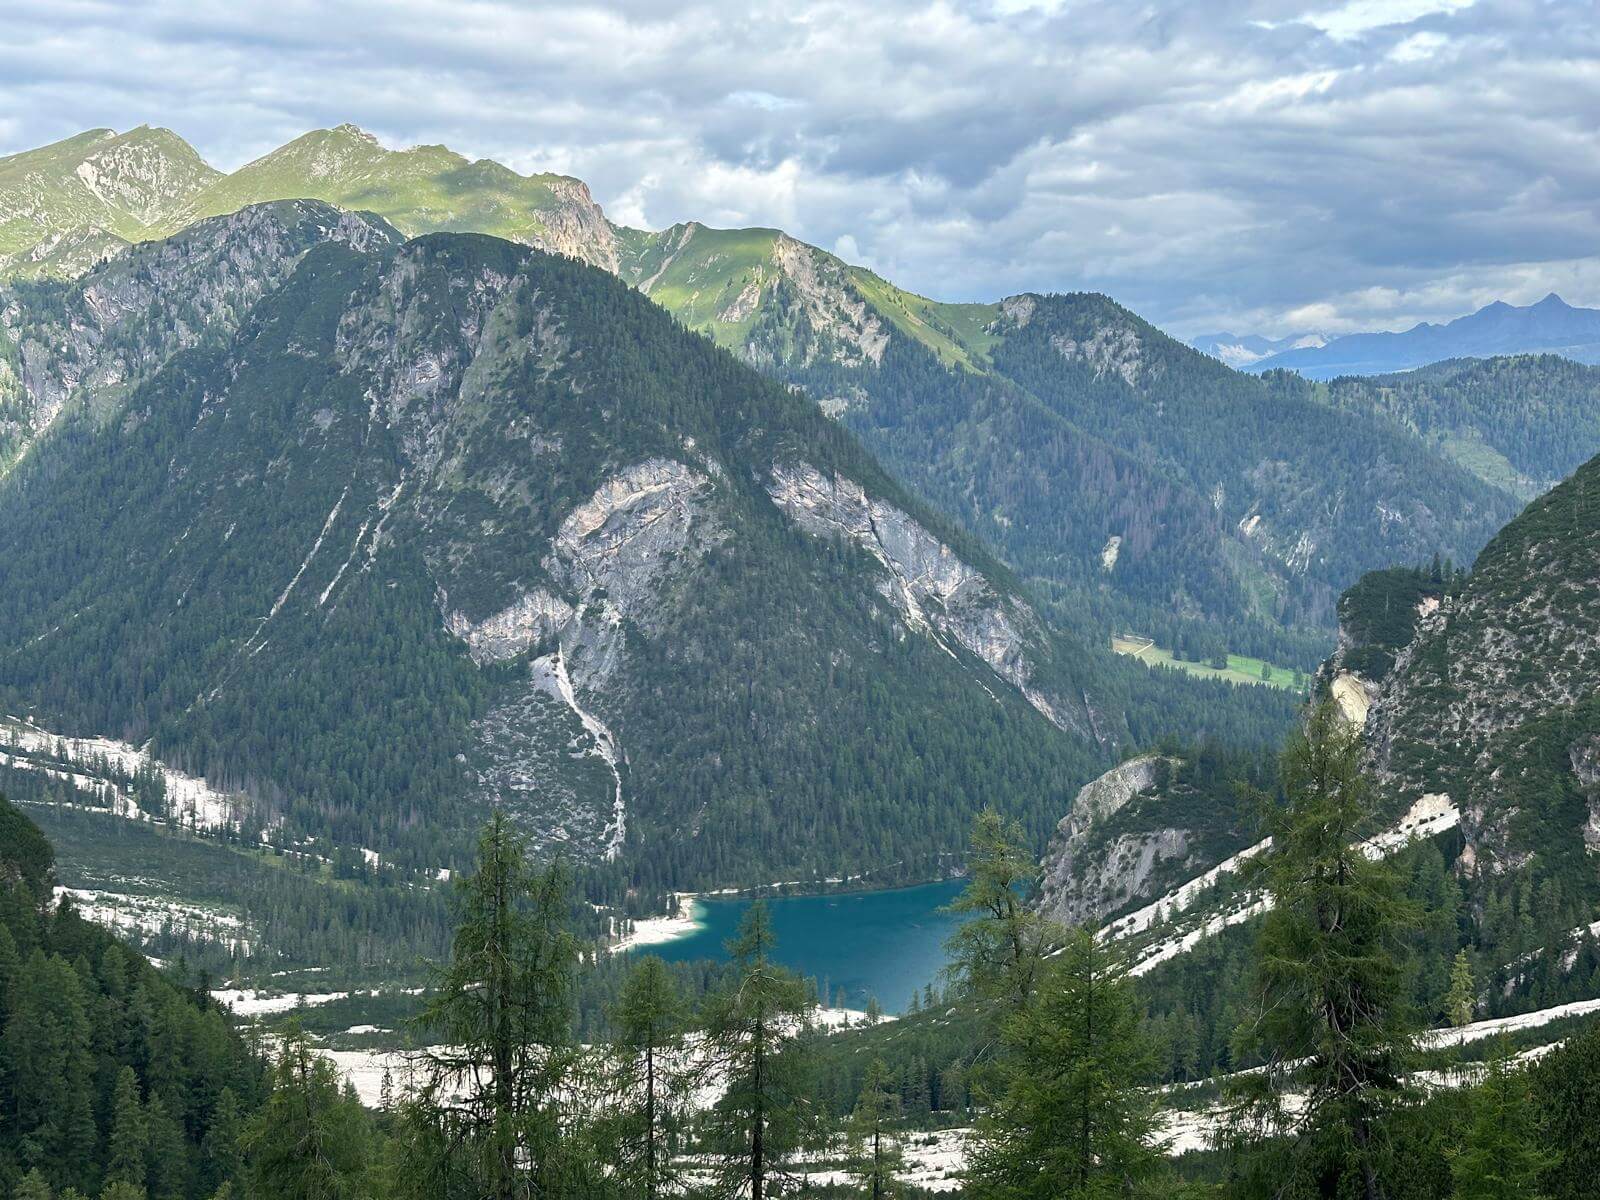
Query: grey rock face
(1083, 878)
(613, 554)
(1585, 758)
(933, 590)
(124, 320)
(1113, 350)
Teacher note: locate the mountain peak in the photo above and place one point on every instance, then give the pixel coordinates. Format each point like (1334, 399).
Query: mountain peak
(349, 129)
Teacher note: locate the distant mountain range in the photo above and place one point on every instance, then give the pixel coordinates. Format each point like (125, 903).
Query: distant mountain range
(1240, 350)
(1552, 326)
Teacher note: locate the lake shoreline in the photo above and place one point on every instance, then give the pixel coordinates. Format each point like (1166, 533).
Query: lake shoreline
(666, 928)
(884, 944)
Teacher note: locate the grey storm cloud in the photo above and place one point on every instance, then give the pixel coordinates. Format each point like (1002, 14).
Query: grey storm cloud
(1262, 164)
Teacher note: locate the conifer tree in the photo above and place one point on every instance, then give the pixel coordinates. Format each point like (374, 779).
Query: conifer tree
(46, 1062)
(486, 1120)
(1462, 1000)
(1070, 1118)
(757, 1042)
(130, 1140)
(168, 1154)
(875, 1154)
(649, 1078)
(9, 962)
(998, 954)
(953, 1088)
(219, 1151)
(33, 1186)
(309, 1141)
(1566, 1089)
(1330, 1019)
(1502, 1159)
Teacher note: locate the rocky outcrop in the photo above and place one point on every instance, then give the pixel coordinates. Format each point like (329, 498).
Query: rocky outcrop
(1111, 350)
(124, 320)
(641, 523)
(575, 225)
(536, 618)
(1585, 759)
(1085, 877)
(1018, 310)
(1353, 695)
(933, 590)
(831, 321)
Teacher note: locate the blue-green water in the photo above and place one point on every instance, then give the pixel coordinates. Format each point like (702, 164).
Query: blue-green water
(886, 944)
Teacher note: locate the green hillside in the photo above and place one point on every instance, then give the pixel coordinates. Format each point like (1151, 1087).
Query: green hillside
(424, 189)
(1521, 423)
(67, 205)
(458, 523)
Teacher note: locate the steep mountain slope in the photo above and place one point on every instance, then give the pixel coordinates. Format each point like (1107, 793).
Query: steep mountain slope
(1145, 827)
(1520, 423)
(1114, 468)
(785, 305)
(1552, 326)
(93, 340)
(1316, 496)
(424, 189)
(65, 206)
(1476, 693)
(454, 522)
(1491, 700)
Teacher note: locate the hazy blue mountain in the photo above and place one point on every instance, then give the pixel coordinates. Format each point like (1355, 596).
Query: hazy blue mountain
(1239, 350)
(1552, 326)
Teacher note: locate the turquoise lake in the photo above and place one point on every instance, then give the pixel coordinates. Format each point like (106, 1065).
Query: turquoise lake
(886, 944)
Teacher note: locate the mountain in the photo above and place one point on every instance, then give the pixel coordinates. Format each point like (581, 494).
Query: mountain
(1241, 350)
(1475, 693)
(1521, 423)
(424, 189)
(1184, 502)
(375, 533)
(1552, 326)
(1474, 696)
(1316, 497)
(96, 339)
(65, 206)
(1156, 497)
(1487, 691)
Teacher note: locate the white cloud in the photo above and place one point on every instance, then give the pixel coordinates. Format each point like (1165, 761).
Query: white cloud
(1357, 17)
(1209, 163)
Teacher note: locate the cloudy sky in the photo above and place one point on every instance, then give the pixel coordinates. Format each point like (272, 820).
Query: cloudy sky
(1264, 165)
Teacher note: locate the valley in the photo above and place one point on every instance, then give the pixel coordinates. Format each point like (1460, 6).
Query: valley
(452, 638)
(1239, 668)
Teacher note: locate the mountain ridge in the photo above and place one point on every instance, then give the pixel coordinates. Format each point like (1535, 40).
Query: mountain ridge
(1548, 326)
(1124, 539)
